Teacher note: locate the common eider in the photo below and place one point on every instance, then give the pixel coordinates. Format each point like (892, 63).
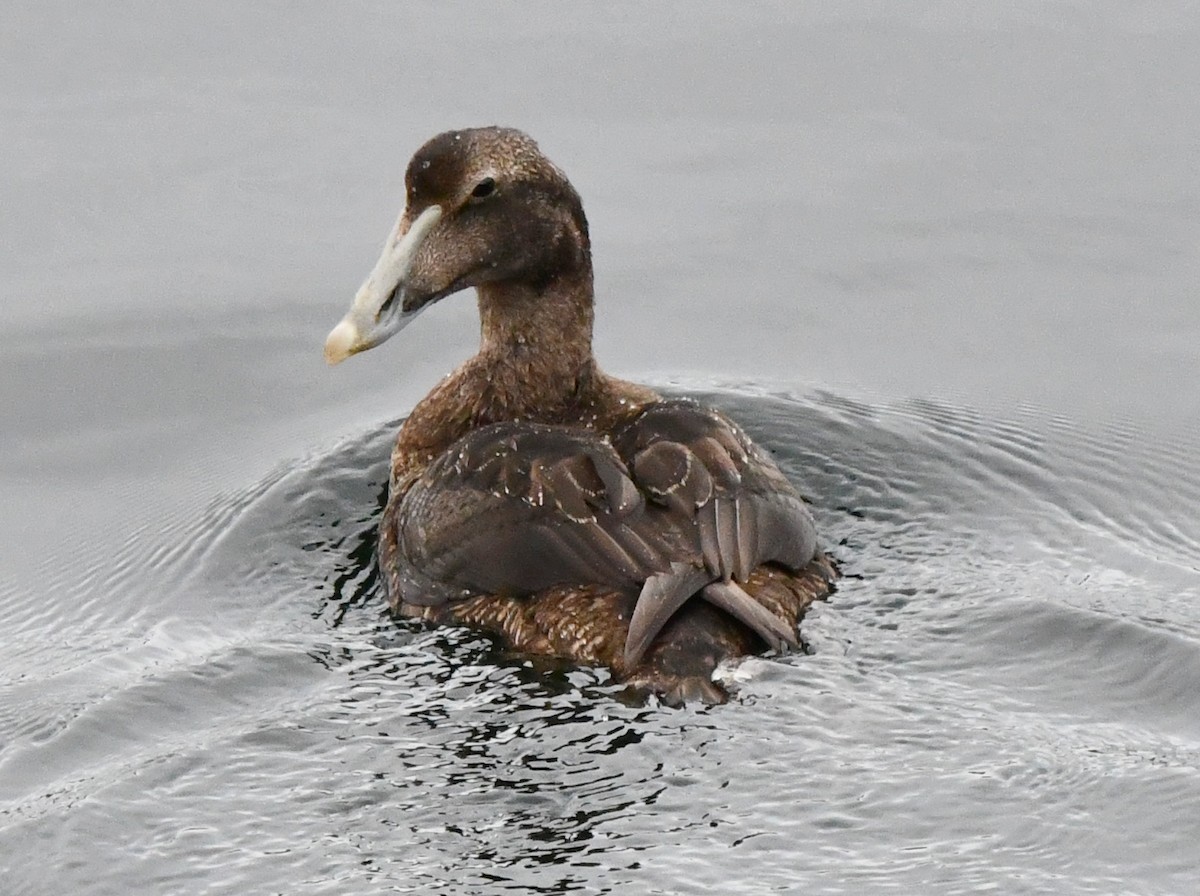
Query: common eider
(566, 511)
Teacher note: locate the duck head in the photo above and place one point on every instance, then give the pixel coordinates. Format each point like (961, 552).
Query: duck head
(482, 206)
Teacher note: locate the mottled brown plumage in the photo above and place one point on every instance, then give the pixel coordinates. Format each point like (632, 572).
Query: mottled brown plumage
(571, 513)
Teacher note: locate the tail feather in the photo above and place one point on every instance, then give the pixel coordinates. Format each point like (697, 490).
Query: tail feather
(660, 597)
(734, 600)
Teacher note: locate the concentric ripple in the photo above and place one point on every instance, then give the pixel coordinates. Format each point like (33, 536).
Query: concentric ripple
(1003, 692)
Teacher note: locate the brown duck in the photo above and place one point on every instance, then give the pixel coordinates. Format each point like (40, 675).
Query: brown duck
(571, 513)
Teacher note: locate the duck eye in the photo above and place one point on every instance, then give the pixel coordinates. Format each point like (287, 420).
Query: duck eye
(484, 188)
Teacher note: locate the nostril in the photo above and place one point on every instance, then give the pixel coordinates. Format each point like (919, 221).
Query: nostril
(484, 188)
(391, 300)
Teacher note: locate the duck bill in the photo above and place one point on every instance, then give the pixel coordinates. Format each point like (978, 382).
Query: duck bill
(378, 311)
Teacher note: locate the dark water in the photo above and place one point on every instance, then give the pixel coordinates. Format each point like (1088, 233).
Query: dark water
(943, 263)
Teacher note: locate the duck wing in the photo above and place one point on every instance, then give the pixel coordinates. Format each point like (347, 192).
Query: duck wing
(694, 464)
(515, 508)
(677, 502)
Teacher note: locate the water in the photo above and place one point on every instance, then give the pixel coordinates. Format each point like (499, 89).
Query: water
(941, 262)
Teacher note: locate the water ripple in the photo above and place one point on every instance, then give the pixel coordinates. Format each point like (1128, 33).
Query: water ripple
(1001, 693)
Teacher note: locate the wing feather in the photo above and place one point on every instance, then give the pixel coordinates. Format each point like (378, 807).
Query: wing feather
(678, 503)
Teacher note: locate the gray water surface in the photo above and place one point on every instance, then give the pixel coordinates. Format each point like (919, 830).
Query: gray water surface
(941, 260)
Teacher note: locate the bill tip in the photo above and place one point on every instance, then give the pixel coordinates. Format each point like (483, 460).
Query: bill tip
(340, 343)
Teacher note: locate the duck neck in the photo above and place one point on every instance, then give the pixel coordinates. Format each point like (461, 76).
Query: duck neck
(536, 345)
